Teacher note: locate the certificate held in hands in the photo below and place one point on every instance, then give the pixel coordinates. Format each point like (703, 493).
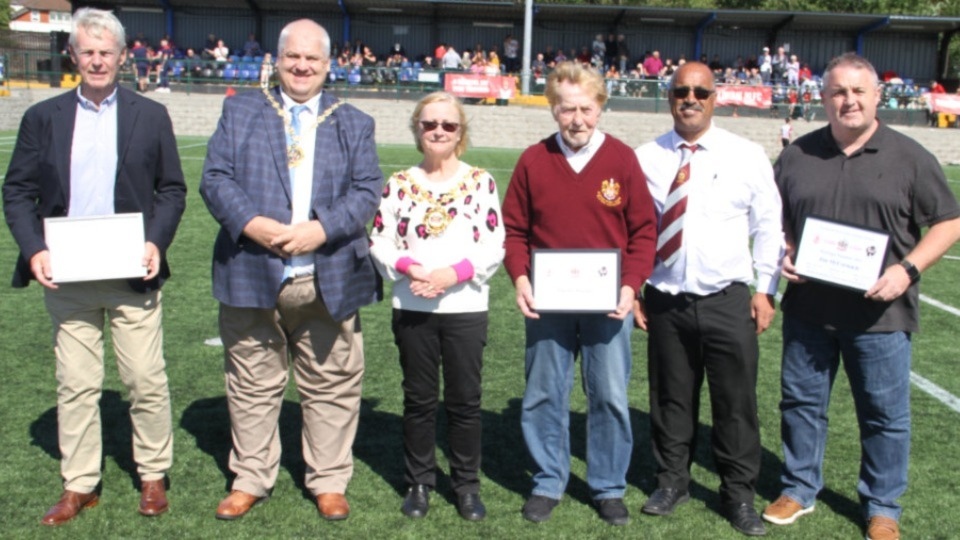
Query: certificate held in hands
(576, 280)
(841, 254)
(95, 248)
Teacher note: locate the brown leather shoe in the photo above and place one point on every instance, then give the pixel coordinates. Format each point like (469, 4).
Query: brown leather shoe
(237, 504)
(333, 506)
(69, 505)
(153, 497)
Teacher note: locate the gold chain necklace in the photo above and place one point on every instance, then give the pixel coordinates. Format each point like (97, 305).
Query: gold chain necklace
(436, 218)
(295, 152)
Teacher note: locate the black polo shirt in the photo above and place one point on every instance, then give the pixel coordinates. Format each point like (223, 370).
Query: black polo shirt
(893, 184)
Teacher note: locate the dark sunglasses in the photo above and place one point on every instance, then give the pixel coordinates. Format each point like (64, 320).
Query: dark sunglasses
(430, 125)
(699, 92)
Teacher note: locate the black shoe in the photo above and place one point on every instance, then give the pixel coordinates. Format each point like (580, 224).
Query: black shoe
(538, 508)
(613, 511)
(745, 519)
(416, 502)
(664, 501)
(471, 507)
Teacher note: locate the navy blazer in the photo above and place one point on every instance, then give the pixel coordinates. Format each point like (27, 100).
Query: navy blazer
(148, 178)
(246, 175)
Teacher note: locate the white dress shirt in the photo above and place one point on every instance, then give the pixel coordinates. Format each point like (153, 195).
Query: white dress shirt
(732, 200)
(93, 157)
(301, 178)
(579, 159)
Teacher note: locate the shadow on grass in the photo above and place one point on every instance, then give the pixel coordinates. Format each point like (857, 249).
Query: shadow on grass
(115, 427)
(208, 420)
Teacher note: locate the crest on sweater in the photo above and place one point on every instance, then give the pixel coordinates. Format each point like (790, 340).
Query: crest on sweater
(609, 193)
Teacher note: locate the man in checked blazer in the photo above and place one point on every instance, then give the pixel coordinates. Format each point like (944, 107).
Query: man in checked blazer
(292, 176)
(95, 151)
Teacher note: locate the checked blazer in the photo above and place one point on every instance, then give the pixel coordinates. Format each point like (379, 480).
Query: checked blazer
(246, 175)
(148, 176)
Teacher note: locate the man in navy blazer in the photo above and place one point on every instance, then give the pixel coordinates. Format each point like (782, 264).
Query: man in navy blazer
(96, 151)
(292, 176)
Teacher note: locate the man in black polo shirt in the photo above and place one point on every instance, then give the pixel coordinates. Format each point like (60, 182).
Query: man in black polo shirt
(859, 171)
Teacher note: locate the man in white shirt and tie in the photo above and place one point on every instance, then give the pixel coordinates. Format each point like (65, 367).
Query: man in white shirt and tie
(714, 192)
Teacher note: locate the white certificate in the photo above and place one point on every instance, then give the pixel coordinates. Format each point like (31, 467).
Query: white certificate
(841, 254)
(576, 280)
(95, 248)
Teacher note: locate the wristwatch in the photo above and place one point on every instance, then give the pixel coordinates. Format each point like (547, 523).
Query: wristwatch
(911, 271)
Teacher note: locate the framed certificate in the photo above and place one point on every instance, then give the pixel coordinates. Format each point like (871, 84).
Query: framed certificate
(576, 280)
(841, 254)
(95, 248)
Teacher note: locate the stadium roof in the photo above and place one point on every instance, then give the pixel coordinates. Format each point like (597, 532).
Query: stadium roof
(507, 10)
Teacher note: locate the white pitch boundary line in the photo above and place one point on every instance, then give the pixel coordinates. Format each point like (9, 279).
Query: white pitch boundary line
(951, 257)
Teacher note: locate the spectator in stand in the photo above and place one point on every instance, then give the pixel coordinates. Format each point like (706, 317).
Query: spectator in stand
(192, 64)
(343, 59)
(779, 66)
(668, 68)
(221, 53)
(493, 64)
(251, 47)
(478, 65)
(451, 59)
(793, 71)
(652, 65)
(766, 65)
(209, 46)
(164, 56)
(266, 70)
(549, 55)
(369, 59)
(612, 53)
(538, 66)
(466, 61)
(399, 49)
(141, 64)
(730, 76)
(937, 88)
(511, 52)
(623, 53)
(804, 74)
(717, 67)
(755, 78)
(598, 53)
(440, 50)
(585, 57)
(557, 58)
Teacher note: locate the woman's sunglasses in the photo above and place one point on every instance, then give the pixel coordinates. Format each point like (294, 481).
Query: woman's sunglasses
(429, 125)
(699, 92)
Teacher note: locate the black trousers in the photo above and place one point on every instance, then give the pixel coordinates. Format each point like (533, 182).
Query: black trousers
(692, 336)
(426, 342)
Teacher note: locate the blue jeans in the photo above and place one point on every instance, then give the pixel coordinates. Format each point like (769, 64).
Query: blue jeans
(878, 367)
(553, 342)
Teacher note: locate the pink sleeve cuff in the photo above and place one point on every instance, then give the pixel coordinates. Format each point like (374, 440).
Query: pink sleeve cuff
(404, 264)
(464, 270)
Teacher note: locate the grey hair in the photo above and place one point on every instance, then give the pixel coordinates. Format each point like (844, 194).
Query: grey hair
(285, 33)
(854, 60)
(95, 22)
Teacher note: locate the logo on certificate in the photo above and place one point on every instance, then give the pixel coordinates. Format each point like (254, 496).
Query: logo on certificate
(609, 193)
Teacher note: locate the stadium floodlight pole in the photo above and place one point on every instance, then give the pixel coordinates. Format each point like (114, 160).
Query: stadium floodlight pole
(527, 39)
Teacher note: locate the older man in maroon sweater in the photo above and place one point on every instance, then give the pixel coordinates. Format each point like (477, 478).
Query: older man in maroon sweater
(583, 189)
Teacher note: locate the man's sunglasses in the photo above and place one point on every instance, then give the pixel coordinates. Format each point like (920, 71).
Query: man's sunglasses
(699, 92)
(430, 125)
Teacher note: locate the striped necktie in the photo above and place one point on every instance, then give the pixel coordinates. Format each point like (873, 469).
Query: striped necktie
(670, 237)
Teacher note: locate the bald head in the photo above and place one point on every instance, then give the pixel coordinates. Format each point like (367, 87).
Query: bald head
(688, 67)
(306, 30)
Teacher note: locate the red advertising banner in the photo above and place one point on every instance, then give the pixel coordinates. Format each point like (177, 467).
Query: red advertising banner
(948, 103)
(480, 86)
(760, 97)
